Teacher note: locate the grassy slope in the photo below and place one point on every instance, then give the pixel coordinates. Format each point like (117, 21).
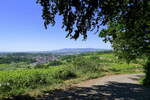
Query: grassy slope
(34, 82)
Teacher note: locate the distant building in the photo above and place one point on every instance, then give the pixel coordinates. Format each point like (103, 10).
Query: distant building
(44, 59)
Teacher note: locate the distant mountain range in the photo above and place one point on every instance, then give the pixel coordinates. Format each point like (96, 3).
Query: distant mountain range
(68, 51)
(65, 51)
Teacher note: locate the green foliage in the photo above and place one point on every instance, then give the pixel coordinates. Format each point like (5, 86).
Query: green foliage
(41, 66)
(31, 78)
(147, 71)
(81, 16)
(55, 63)
(130, 34)
(123, 68)
(14, 66)
(10, 59)
(127, 44)
(69, 58)
(87, 66)
(64, 74)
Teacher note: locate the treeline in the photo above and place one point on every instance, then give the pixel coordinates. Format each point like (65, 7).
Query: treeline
(10, 59)
(19, 54)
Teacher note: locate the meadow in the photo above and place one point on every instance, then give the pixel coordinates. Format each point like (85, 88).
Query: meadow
(68, 70)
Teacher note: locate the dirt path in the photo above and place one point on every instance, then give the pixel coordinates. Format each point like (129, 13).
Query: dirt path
(114, 87)
(122, 78)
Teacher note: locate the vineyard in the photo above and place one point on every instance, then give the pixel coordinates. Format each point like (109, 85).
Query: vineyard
(70, 69)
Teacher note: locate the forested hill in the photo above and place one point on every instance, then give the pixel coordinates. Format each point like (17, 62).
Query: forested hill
(68, 51)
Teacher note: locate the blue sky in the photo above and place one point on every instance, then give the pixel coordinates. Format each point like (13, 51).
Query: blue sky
(21, 29)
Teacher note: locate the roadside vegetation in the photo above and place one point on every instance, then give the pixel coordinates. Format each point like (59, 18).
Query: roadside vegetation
(67, 70)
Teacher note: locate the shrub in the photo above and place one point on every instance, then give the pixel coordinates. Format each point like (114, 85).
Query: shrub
(23, 79)
(85, 65)
(55, 63)
(63, 74)
(147, 72)
(41, 66)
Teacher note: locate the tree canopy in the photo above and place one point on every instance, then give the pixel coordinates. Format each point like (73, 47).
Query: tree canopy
(81, 16)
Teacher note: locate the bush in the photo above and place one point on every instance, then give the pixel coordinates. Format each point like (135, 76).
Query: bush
(85, 65)
(63, 74)
(40, 66)
(69, 58)
(24, 79)
(20, 80)
(147, 73)
(55, 63)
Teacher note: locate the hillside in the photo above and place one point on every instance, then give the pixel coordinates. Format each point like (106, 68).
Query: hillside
(18, 79)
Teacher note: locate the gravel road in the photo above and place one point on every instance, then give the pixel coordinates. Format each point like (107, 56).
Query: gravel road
(113, 87)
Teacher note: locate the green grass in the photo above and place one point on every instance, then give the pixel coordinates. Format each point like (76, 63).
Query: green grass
(15, 82)
(81, 67)
(6, 67)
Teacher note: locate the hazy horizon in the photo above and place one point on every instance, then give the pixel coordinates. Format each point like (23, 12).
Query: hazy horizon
(53, 50)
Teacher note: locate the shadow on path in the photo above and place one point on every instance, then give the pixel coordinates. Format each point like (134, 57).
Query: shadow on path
(110, 91)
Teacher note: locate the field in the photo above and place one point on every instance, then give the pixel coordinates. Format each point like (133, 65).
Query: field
(70, 69)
